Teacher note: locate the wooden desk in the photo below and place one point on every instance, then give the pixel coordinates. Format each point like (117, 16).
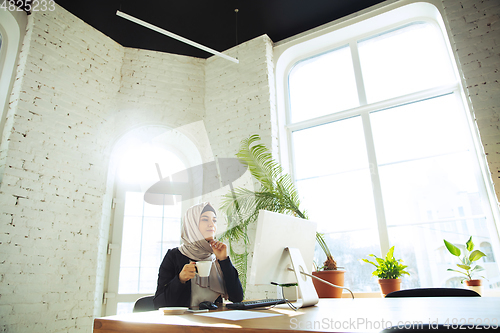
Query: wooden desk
(329, 315)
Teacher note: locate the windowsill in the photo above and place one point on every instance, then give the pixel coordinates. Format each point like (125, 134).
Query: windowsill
(362, 295)
(487, 293)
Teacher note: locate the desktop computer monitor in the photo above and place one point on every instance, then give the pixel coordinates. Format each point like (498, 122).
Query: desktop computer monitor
(284, 242)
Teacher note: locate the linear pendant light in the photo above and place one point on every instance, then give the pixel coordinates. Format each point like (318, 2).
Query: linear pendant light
(172, 35)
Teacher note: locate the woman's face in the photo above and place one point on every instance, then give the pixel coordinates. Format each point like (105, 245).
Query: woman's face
(208, 225)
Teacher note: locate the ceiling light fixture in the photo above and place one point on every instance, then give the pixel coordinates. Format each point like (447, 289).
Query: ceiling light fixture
(172, 35)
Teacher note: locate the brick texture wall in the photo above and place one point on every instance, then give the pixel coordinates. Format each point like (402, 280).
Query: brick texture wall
(77, 92)
(159, 88)
(239, 100)
(54, 175)
(475, 35)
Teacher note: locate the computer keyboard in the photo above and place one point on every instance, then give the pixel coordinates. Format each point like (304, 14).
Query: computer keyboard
(245, 305)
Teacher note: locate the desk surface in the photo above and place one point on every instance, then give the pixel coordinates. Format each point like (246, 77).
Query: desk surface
(329, 315)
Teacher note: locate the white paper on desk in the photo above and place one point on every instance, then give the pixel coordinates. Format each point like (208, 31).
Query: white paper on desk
(238, 314)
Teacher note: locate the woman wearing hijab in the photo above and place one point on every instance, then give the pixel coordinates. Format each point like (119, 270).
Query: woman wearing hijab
(178, 284)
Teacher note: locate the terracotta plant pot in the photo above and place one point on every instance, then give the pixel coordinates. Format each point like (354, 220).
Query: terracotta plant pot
(389, 285)
(475, 285)
(326, 291)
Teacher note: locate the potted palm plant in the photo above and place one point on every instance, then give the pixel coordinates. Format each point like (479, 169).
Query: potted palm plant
(328, 272)
(389, 271)
(276, 192)
(467, 265)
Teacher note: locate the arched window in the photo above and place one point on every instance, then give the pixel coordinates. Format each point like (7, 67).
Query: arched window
(380, 143)
(143, 231)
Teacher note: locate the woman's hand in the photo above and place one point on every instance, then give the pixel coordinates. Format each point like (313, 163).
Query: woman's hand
(188, 272)
(219, 248)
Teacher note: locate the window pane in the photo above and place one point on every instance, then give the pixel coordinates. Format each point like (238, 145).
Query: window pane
(404, 61)
(432, 127)
(148, 279)
(152, 210)
(322, 85)
(129, 280)
(329, 149)
(334, 181)
(424, 161)
(171, 234)
(131, 242)
(135, 204)
(348, 248)
(151, 240)
(125, 307)
(145, 241)
(429, 187)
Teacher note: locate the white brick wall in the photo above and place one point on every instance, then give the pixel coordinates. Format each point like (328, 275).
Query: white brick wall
(240, 98)
(77, 92)
(54, 176)
(475, 30)
(159, 87)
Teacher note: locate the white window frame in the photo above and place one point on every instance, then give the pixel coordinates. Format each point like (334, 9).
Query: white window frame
(348, 31)
(12, 28)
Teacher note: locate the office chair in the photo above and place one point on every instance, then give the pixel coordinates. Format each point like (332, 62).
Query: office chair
(144, 304)
(433, 292)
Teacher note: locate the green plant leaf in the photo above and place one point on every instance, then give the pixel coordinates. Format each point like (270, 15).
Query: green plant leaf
(476, 255)
(477, 269)
(368, 261)
(452, 248)
(464, 267)
(390, 268)
(469, 245)
(390, 254)
(454, 270)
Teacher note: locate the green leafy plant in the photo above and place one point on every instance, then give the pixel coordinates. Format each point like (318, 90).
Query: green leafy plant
(468, 259)
(388, 268)
(276, 192)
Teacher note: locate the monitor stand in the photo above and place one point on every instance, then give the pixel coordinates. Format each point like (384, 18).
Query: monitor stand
(306, 286)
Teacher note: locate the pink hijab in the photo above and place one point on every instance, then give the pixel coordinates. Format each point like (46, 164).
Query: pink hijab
(195, 247)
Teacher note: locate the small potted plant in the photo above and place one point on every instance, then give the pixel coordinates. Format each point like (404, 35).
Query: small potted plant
(467, 265)
(389, 271)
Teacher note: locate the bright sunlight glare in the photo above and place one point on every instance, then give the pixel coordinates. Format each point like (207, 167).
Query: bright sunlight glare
(138, 164)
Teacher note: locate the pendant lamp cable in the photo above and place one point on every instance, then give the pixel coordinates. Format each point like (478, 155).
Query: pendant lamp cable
(236, 23)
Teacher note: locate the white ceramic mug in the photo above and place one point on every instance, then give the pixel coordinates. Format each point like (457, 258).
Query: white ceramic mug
(203, 268)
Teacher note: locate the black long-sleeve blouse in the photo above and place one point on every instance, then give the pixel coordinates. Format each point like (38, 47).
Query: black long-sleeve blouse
(170, 291)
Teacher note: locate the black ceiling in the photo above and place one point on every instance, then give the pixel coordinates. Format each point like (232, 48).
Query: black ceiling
(212, 23)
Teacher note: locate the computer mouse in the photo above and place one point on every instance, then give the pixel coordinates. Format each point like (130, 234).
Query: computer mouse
(207, 305)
